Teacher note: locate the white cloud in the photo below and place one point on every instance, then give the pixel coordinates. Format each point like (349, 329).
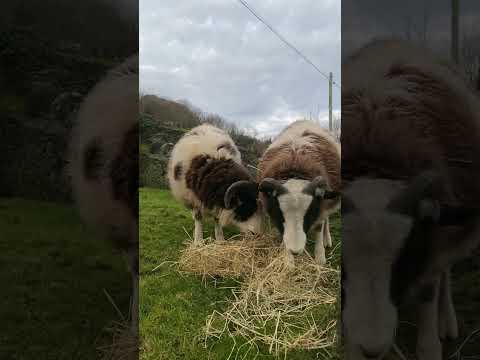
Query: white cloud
(218, 56)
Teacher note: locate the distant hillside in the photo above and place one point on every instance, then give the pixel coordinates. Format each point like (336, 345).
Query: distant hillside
(46, 67)
(163, 122)
(168, 113)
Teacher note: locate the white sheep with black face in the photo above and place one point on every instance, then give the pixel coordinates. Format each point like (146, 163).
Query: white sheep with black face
(104, 163)
(299, 177)
(206, 174)
(410, 175)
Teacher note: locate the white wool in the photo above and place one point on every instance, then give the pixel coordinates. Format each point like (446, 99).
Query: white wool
(108, 112)
(293, 134)
(207, 141)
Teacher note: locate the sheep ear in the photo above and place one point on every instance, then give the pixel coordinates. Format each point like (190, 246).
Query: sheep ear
(272, 187)
(417, 199)
(319, 188)
(239, 192)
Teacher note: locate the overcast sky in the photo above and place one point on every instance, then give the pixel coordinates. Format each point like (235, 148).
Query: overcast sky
(220, 58)
(363, 20)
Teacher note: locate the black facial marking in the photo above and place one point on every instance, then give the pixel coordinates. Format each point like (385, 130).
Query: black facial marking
(124, 172)
(177, 171)
(411, 262)
(93, 159)
(275, 213)
(312, 214)
(347, 205)
(417, 252)
(229, 147)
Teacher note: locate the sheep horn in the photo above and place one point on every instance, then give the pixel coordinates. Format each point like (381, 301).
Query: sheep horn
(272, 186)
(414, 198)
(319, 187)
(242, 187)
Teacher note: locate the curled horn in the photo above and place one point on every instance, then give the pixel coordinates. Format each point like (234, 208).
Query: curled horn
(318, 187)
(239, 188)
(418, 197)
(272, 186)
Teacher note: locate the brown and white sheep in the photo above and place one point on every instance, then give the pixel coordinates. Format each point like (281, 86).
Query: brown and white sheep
(410, 176)
(206, 174)
(299, 177)
(104, 163)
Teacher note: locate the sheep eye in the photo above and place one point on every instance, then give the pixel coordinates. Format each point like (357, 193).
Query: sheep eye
(319, 192)
(270, 193)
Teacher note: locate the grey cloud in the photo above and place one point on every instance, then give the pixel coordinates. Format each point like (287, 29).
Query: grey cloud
(216, 55)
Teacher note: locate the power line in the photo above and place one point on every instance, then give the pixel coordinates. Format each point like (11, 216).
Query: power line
(286, 42)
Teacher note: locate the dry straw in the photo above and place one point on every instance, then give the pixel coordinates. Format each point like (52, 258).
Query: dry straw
(277, 306)
(120, 342)
(122, 345)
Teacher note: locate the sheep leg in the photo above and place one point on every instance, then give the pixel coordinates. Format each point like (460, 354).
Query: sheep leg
(135, 303)
(132, 258)
(218, 232)
(327, 239)
(289, 259)
(319, 247)
(198, 235)
(429, 346)
(448, 327)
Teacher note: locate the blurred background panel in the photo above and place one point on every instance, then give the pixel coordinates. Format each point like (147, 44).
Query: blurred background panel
(449, 31)
(65, 289)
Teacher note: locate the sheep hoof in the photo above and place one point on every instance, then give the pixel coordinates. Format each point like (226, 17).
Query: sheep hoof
(289, 260)
(198, 243)
(320, 260)
(447, 328)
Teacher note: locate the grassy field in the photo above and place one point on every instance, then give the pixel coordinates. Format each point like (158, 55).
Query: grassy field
(174, 307)
(53, 276)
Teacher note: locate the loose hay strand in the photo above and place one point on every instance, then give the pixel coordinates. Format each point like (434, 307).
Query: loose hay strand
(277, 306)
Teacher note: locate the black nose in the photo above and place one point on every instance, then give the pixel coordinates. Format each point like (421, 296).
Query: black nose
(372, 352)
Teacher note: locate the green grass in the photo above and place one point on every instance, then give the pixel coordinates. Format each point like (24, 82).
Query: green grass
(174, 307)
(53, 272)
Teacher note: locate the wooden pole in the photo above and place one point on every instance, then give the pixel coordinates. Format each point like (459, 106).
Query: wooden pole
(455, 26)
(330, 119)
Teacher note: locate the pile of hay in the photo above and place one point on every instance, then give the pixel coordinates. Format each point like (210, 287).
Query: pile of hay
(236, 257)
(277, 306)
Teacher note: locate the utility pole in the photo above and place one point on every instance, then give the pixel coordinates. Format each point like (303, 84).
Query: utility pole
(330, 120)
(454, 32)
